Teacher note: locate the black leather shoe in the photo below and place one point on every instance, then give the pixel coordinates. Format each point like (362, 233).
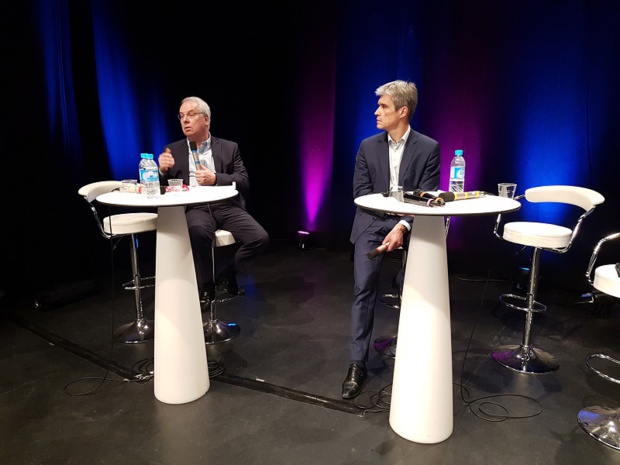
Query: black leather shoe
(353, 382)
(233, 288)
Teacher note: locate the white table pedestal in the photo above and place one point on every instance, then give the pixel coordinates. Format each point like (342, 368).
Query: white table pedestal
(422, 385)
(181, 371)
(422, 393)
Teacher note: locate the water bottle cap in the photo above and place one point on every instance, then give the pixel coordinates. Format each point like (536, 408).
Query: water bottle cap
(143, 155)
(458, 153)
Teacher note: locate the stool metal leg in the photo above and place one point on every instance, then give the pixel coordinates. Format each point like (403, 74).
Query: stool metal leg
(524, 358)
(217, 331)
(140, 330)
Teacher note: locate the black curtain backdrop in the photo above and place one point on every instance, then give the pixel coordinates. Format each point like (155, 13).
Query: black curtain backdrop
(527, 88)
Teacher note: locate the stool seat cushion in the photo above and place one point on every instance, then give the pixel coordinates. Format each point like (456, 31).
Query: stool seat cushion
(541, 235)
(606, 280)
(224, 238)
(130, 223)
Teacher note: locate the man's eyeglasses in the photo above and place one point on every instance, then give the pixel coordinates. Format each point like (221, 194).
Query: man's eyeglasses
(190, 115)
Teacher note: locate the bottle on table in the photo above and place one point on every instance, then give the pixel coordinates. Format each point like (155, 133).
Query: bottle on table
(149, 176)
(457, 172)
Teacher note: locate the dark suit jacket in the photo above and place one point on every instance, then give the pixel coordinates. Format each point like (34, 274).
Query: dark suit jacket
(229, 167)
(419, 169)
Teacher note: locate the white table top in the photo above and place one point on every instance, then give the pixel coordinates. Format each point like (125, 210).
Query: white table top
(195, 195)
(486, 205)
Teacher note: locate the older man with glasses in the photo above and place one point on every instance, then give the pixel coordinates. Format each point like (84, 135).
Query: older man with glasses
(205, 160)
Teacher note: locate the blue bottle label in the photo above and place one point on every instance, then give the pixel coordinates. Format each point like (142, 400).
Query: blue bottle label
(457, 172)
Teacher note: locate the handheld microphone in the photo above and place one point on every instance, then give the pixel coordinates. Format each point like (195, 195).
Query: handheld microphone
(427, 200)
(194, 149)
(379, 250)
(427, 195)
(451, 196)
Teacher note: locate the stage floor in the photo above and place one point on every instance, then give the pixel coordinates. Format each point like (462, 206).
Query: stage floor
(71, 395)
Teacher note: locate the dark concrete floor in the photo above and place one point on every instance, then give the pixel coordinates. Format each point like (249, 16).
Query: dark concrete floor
(70, 394)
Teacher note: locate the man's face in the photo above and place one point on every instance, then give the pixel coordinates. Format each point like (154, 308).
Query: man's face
(387, 115)
(194, 124)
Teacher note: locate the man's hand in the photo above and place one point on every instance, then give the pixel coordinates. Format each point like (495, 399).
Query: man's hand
(204, 176)
(165, 160)
(395, 237)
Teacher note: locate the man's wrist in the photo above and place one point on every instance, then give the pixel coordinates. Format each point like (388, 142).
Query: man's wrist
(404, 227)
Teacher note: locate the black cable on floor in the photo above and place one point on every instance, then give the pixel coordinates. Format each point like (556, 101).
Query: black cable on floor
(479, 406)
(143, 374)
(377, 401)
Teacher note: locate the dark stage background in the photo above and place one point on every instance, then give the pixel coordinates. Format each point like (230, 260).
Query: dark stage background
(527, 88)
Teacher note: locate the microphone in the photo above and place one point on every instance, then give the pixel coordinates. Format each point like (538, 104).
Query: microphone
(450, 196)
(379, 250)
(427, 195)
(428, 200)
(194, 149)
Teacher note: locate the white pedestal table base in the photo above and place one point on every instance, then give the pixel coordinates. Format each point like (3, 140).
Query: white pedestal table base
(422, 393)
(181, 372)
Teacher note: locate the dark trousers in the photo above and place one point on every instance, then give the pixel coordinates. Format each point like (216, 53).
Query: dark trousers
(203, 221)
(366, 287)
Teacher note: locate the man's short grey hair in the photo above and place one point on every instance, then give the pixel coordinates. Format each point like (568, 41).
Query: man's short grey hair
(201, 106)
(403, 93)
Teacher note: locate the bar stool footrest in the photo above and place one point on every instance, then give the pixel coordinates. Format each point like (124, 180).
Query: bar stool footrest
(600, 373)
(226, 298)
(513, 301)
(128, 286)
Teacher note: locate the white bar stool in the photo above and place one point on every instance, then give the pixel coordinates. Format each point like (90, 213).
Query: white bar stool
(600, 421)
(555, 238)
(215, 330)
(115, 227)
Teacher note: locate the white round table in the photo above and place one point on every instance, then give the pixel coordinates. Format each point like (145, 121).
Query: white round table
(181, 371)
(421, 405)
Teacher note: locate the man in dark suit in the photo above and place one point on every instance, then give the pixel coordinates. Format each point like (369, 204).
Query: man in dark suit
(220, 164)
(398, 157)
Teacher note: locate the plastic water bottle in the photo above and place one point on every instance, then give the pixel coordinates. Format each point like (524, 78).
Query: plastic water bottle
(142, 167)
(457, 172)
(149, 176)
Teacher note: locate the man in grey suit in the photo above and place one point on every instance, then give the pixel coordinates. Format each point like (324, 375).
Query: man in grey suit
(205, 160)
(398, 157)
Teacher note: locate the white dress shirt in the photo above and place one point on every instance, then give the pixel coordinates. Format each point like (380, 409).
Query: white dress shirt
(205, 155)
(396, 150)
